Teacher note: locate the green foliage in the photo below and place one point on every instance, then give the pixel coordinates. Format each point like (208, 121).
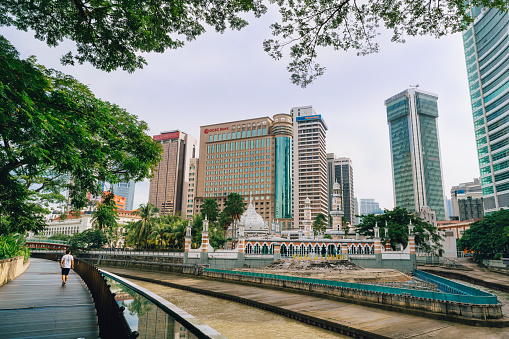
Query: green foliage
(225, 220)
(489, 237)
(234, 206)
(113, 34)
(216, 238)
(89, 239)
(140, 230)
(60, 236)
(53, 129)
(210, 209)
(13, 245)
(320, 224)
(105, 215)
(327, 236)
(396, 222)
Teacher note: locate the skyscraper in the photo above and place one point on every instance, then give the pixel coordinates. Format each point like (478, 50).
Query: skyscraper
(170, 184)
(250, 157)
(487, 59)
(370, 206)
(415, 151)
(341, 170)
(126, 190)
(309, 163)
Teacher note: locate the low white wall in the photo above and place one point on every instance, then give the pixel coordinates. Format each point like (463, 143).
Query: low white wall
(11, 268)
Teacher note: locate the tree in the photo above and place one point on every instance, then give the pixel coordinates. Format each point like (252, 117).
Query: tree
(489, 237)
(210, 209)
(88, 239)
(320, 224)
(105, 215)
(141, 229)
(112, 34)
(234, 207)
(60, 236)
(396, 222)
(55, 135)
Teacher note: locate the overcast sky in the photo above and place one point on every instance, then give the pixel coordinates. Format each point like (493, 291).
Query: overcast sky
(227, 77)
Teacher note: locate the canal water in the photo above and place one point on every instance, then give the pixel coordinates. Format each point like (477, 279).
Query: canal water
(235, 320)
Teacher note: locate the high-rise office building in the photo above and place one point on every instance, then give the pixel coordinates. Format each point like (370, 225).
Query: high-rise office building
(486, 44)
(250, 157)
(192, 187)
(126, 190)
(370, 206)
(415, 151)
(170, 183)
(309, 163)
(341, 170)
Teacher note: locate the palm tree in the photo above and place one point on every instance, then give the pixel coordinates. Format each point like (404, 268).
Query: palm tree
(210, 209)
(160, 235)
(178, 232)
(142, 228)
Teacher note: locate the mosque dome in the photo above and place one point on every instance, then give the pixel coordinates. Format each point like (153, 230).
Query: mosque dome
(336, 186)
(251, 220)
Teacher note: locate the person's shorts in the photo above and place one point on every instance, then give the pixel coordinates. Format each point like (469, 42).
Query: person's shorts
(65, 271)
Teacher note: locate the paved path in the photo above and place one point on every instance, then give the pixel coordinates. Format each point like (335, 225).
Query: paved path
(36, 305)
(386, 323)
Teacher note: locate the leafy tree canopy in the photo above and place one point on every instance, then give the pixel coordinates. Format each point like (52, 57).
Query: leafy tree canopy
(56, 135)
(88, 239)
(396, 222)
(320, 224)
(210, 209)
(488, 237)
(105, 215)
(234, 205)
(110, 34)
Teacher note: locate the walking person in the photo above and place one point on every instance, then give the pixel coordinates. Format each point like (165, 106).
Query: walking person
(66, 263)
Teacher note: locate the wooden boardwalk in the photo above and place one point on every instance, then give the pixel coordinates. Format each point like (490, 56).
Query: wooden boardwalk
(36, 305)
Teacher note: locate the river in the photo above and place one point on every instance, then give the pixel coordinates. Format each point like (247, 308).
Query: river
(235, 320)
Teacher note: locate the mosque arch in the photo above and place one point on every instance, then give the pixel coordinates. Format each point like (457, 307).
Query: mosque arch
(249, 249)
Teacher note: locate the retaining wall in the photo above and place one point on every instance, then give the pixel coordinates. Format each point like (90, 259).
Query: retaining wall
(11, 268)
(403, 301)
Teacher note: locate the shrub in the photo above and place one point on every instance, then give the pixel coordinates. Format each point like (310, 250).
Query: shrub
(13, 245)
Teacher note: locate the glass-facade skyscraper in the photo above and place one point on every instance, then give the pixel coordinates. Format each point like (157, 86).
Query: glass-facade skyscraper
(415, 151)
(283, 131)
(486, 44)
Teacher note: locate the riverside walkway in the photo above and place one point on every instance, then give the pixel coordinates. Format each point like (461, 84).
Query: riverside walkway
(378, 322)
(36, 305)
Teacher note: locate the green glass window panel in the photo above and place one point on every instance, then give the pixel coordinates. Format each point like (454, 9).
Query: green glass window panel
(494, 23)
(471, 61)
(500, 155)
(487, 190)
(431, 156)
(397, 108)
(501, 187)
(473, 78)
(496, 72)
(469, 44)
(208, 149)
(474, 86)
(482, 151)
(499, 134)
(479, 25)
(479, 132)
(481, 141)
(494, 62)
(500, 166)
(472, 69)
(487, 180)
(477, 114)
(485, 170)
(476, 105)
(478, 123)
(283, 177)
(467, 35)
(497, 102)
(494, 84)
(497, 113)
(497, 92)
(426, 106)
(402, 162)
(499, 177)
(484, 161)
(492, 40)
(475, 95)
(498, 123)
(249, 133)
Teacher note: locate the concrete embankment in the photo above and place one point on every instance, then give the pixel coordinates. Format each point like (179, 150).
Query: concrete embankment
(319, 309)
(11, 268)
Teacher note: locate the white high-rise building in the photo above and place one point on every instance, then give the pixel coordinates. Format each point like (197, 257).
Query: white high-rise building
(309, 163)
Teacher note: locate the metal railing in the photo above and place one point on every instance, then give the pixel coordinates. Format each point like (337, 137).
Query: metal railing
(112, 323)
(479, 298)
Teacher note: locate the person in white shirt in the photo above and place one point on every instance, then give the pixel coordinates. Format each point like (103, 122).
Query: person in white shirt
(66, 263)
